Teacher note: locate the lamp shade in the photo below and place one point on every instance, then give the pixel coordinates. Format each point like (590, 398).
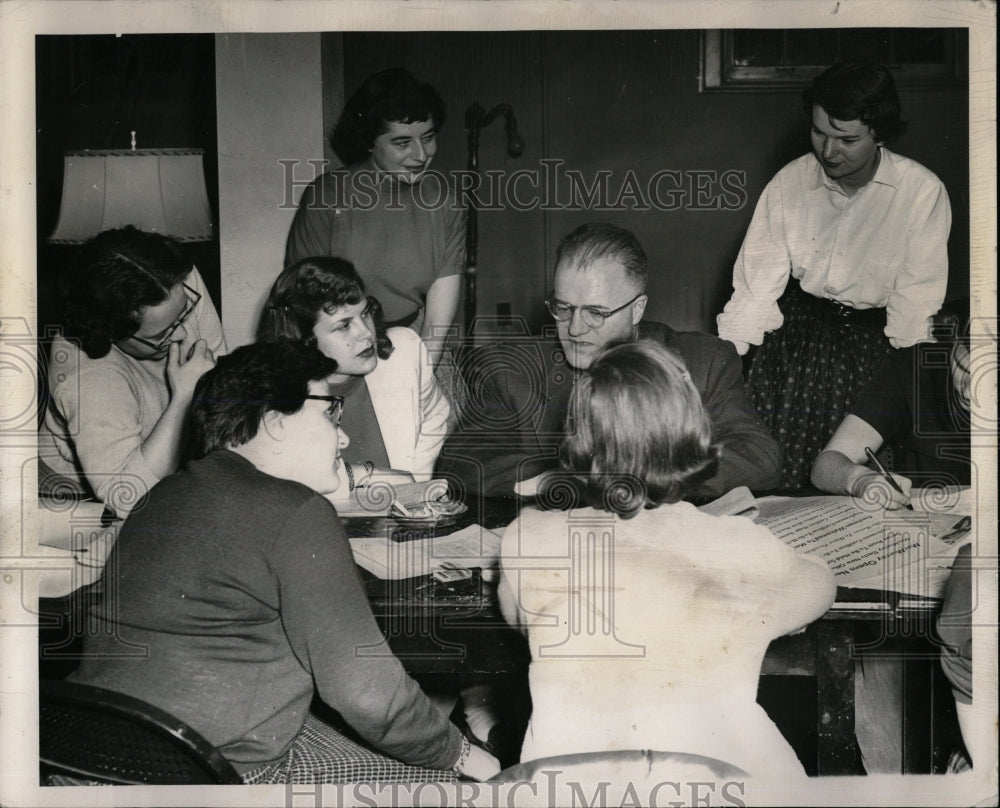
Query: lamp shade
(156, 190)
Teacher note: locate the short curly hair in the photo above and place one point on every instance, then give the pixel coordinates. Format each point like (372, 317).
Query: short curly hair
(384, 98)
(637, 431)
(118, 273)
(308, 287)
(231, 399)
(858, 91)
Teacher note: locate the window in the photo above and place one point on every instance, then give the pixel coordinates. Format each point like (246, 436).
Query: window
(757, 59)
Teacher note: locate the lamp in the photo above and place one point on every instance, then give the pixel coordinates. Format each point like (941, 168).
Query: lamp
(156, 190)
(475, 119)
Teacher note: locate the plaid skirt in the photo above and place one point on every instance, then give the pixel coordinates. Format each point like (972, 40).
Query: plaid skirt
(806, 374)
(321, 754)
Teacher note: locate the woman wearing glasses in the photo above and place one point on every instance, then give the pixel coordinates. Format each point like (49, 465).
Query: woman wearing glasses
(394, 410)
(138, 332)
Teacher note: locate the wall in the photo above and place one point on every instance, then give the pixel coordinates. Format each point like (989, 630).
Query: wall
(269, 109)
(91, 92)
(599, 100)
(629, 100)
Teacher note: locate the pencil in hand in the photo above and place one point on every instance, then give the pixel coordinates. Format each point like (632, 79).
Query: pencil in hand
(889, 478)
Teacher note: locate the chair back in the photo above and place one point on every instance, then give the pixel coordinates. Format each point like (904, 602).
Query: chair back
(626, 775)
(94, 734)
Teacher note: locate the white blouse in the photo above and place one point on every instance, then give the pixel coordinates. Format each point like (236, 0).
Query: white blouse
(884, 246)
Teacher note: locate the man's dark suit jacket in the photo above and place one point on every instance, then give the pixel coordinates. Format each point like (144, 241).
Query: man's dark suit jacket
(519, 393)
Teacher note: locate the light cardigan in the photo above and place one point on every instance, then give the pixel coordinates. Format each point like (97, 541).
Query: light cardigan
(649, 632)
(885, 246)
(101, 410)
(411, 409)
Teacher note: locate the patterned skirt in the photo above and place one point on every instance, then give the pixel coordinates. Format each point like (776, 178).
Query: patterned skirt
(806, 374)
(321, 754)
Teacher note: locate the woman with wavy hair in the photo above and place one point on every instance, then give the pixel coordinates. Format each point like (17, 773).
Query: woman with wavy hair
(138, 331)
(394, 411)
(647, 619)
(386, 212)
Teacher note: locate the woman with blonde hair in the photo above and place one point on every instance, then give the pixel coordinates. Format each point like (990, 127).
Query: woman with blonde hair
(647, 619)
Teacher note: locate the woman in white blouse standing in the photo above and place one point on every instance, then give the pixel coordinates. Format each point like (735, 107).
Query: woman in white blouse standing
(863, 233)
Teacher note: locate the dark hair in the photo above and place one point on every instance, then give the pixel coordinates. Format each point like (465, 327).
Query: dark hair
(637, 430)
(858, 91)
(385, 97)
(591, 242)
(118, 273)
(231, 399)
(308, 287)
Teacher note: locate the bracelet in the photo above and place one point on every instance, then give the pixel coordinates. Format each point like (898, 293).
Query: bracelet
(463, 756)
(350, 476)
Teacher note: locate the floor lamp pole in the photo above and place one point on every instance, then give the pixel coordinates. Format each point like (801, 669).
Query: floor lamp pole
(475, 119)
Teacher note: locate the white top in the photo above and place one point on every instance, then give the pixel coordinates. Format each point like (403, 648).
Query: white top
(884, 246)
(649, 633)
(410, 407)
(101, 410)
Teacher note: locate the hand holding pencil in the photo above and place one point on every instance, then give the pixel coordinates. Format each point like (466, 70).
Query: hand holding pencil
(892, 491)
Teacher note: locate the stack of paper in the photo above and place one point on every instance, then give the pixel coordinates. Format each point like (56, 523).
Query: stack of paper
(472, 546)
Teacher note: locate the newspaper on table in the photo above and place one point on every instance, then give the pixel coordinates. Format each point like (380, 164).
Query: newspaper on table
(866, 547)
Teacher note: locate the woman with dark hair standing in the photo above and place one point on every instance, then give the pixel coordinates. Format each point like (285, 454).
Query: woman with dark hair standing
(582, 585)
(394, 411)
(398, 223)
(863, 234)
(139, 331)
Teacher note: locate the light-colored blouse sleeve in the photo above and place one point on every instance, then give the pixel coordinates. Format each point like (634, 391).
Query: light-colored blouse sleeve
(434, 410)
(103, 414)
(759, 275)
(923, 278)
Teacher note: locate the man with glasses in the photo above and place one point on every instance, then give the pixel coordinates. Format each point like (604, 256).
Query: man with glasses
(519, 393)
(236, 588)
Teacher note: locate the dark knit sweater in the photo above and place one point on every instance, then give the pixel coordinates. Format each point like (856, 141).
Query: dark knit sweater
(228, 596)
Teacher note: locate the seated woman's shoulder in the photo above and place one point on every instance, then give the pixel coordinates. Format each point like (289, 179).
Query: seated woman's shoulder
(406, 345)
(403, 336)
(69, 365)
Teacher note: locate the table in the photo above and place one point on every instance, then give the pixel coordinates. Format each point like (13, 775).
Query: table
(871, 625)
(449, 636)
(446, 630)
(454, 632)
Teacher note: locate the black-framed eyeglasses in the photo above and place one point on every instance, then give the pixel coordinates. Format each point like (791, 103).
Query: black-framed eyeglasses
(336, 408)
(591, 315)
(193, 297)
